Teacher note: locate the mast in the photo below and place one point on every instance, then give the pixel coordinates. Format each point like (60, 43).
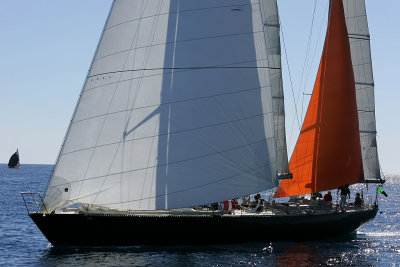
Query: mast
(176, 110)
(327, 154)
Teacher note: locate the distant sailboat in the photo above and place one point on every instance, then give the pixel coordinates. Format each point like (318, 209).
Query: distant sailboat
(183, 107)
(14, 160)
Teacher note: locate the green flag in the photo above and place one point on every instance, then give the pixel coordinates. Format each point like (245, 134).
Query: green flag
(381, 191)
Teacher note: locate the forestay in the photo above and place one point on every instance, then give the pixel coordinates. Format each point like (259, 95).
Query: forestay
(357, 26)
(177, 108)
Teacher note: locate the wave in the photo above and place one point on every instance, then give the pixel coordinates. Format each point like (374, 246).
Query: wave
(385, 234)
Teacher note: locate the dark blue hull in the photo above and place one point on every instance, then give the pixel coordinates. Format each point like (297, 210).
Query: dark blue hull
(125, 230)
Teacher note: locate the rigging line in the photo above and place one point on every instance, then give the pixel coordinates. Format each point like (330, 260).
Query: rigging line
(290, 77)
(319, 36)
(183, 68)
(308, 71)
(306, 61)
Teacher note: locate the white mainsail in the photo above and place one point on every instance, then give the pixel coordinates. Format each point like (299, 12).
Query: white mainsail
(177, 108)
(357, 27)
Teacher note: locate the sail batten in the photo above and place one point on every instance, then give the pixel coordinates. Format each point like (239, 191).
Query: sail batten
(177, 109)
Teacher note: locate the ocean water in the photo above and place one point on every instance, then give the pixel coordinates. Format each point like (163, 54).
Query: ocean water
(22, 244)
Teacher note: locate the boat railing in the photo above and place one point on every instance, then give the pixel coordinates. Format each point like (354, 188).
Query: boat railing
(33, 202)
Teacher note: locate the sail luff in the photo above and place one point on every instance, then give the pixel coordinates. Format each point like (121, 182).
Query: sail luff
(359, 37)
(162, 138)
(328, 152)
(73, 116)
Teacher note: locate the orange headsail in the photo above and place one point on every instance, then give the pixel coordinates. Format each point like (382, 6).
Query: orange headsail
(327, 154)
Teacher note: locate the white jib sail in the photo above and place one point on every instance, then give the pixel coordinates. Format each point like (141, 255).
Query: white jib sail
(176, 110)
(357, 26)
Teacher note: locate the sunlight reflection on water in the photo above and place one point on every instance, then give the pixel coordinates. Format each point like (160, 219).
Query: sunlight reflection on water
(397, 234)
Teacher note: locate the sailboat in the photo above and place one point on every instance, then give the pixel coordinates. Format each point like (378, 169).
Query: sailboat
(183, 107)
(14, 161)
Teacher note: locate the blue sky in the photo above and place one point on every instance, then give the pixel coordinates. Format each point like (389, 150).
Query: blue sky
(46, 48)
